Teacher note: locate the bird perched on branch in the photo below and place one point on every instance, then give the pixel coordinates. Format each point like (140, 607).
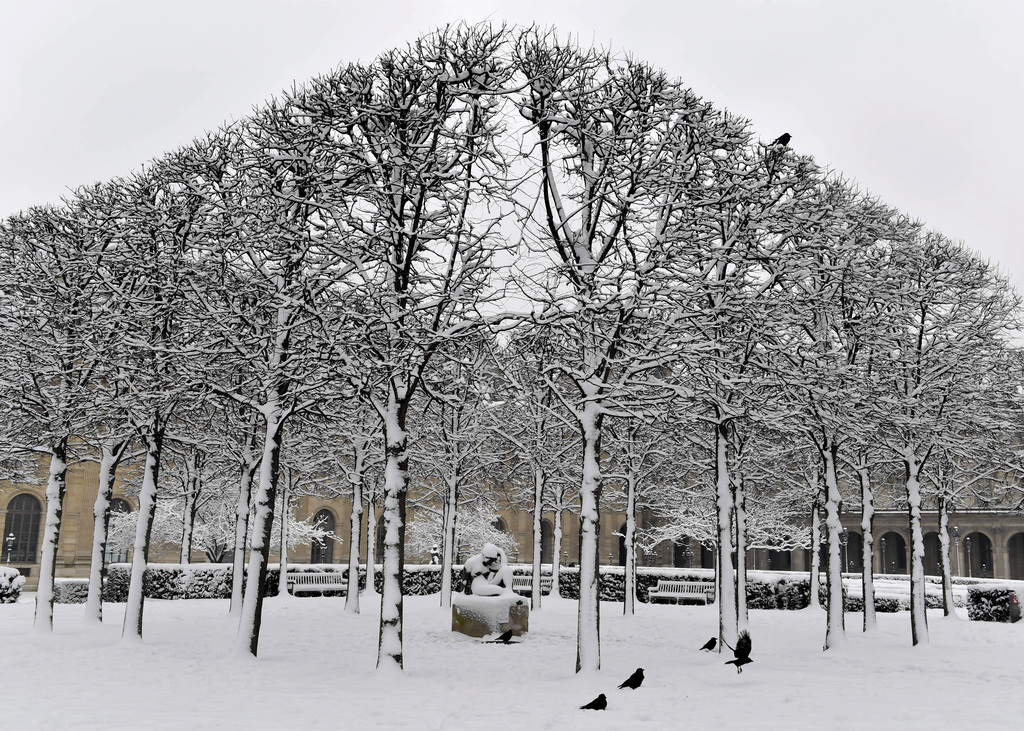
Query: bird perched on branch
(633, 681)
(598, 704)
(741, 652)
(782, 139)
(710, 644)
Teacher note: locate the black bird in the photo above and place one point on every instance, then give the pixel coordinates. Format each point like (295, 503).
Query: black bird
(741, 652)
(505, 637)
(634, 680)
(710, 644)
(782, 139)
(598, 704)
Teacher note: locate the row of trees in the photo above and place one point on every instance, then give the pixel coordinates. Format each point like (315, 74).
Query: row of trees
(492, 232)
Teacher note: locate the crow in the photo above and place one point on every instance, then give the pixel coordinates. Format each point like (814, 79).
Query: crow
(633, 681)
(782, 139)
(741, 652)
(598, 704)
(710, 644)
(504, 638)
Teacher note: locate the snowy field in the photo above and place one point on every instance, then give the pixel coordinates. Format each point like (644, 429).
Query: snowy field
(316, 670)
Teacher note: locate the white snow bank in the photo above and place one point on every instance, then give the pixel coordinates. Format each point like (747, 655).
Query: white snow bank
(314, 656)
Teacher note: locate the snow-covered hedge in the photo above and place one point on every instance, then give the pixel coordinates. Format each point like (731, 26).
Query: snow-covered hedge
(993, 604)
(177, 581)
(180, 581)
(418, 580)
(70, 591)
(11, 582)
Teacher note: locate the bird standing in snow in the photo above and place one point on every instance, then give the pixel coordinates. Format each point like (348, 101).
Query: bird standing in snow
(710, 644)
(741, 652)
(634, 680)
(782, 139)
(598, 704)
(505, 637)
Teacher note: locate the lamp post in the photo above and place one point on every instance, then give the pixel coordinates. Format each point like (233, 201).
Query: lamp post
(844, 538)
(10, 546)
(967, 545)
(956, 539)
(882, 545)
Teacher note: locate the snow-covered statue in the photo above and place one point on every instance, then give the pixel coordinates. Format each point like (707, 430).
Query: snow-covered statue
(487, 573)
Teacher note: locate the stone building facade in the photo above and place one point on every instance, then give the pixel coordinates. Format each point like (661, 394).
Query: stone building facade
(985, 543)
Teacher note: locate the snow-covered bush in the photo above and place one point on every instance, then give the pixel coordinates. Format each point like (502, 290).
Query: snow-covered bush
(115, 588)
(790, 593)
(70, 591)
(419, 580)
(762, 595)
(178, 581)
(995, 604)
(883, 604)
(11, 582)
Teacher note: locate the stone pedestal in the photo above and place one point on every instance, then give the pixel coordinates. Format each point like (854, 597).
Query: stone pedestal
(479, 616)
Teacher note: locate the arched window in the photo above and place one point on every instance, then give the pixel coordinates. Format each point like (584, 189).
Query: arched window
(322, 550)
(1015, 546)
(499, 524)
(707, 556)
(977, 550)
(892, 553)
(931, 554)
(22, 521)
(854, 551)
(111, 554)
(622, 544)
(546, 541)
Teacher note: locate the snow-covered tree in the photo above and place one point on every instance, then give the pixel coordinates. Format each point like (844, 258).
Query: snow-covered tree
(949, 315)
(53, 328)
(419, 128)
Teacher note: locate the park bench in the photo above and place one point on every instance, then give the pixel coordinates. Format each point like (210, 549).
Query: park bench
(315, 582)
(674, 591)
(524, 584)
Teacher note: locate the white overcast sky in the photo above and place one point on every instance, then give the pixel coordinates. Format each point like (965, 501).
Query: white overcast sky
(918, 101)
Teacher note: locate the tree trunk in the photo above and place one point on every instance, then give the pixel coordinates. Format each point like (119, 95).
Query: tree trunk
(110, 457)
(556, 553)
(390, 652)
(56, 486)
(588, 624)
(249, 467)
(948, 606)
(629, 578)
(538, 539)
(193, 485)
(867, 524)
(835, 631)
(918, 609)
(371, 546)
(724, 504)
(449, 514)
(355, 524)
(282, 574)
(815, 557)
(263, 524)
(153, 442)
(740, 517)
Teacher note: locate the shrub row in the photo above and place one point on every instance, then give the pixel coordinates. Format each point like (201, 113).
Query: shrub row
(420, 580)
(213, 581)
(169, 581)
(11, 582)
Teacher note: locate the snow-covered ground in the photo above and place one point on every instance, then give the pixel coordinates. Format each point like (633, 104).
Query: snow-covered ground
(316, 670)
